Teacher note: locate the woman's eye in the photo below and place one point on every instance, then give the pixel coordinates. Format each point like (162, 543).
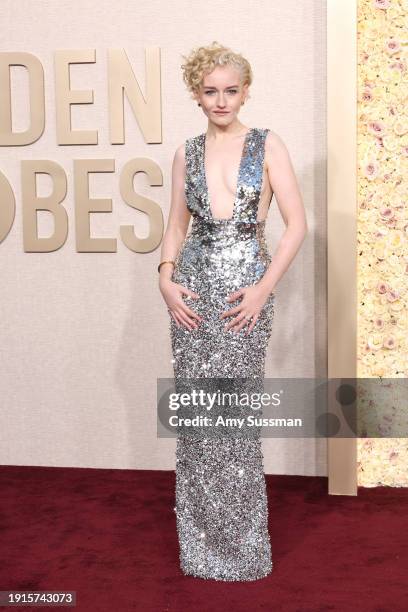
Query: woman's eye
(233, 91)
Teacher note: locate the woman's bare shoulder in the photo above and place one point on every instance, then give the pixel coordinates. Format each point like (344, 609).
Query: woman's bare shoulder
(276, 152)
(274, 142)
(180, 152)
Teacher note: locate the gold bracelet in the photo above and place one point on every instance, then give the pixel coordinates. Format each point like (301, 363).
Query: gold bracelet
(163, 262)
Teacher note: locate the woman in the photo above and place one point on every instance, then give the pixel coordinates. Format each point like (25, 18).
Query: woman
(224, 178)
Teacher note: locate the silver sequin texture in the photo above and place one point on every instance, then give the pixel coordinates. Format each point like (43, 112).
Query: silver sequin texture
(221, 505)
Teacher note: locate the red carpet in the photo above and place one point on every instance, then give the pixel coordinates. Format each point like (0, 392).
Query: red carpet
(110, 535)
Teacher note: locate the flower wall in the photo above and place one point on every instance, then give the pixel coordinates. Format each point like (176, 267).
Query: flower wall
(382, 221)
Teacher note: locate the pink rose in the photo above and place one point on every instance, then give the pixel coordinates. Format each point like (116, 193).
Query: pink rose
(389, 342)
(392, 46)
(371, 170)
(376, 127)
(381, 4)
(399, 65)
(393, 295)
(387, 212)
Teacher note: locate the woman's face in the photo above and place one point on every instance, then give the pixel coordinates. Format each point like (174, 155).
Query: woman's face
(221, 94)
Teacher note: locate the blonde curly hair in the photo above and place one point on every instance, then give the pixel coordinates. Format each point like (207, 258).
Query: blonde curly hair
(203, 60)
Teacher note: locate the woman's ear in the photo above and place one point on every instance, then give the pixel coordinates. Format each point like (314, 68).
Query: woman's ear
(245, 93)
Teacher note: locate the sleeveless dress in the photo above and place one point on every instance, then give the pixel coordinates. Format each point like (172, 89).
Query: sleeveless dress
(221, 504)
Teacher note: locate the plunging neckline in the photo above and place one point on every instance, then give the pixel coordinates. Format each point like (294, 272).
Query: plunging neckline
(207, 193)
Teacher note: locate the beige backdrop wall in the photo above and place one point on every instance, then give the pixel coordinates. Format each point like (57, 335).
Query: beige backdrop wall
(84, 336)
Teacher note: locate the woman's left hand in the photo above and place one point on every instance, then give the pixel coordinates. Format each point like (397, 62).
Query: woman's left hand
(248, 310)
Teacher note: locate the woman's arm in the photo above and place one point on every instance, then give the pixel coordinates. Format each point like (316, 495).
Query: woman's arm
(179, 215)
(177, 225)
(284, 184)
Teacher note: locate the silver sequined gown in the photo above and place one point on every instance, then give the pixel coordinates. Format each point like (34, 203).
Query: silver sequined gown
(221, 505)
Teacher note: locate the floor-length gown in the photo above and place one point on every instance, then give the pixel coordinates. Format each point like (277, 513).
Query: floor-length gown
(221, 505)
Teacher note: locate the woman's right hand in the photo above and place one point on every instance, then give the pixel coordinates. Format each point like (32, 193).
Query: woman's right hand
(172, 293)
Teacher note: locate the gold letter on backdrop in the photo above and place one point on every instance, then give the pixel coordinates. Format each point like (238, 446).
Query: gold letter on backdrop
(122, 80)
(153, 210)
(52, 203)
(85, 205)
(35, 103)
(64, 97)
(7, 207)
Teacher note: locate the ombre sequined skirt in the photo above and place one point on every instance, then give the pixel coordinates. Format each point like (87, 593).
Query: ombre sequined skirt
(221, 504)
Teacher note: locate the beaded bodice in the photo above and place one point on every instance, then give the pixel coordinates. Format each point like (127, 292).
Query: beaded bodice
(249, 183)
